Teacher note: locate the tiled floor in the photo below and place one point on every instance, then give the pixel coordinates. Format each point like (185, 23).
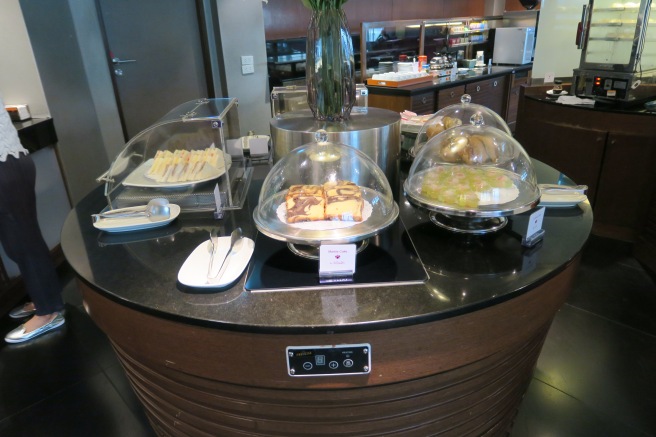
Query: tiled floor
(596, 375)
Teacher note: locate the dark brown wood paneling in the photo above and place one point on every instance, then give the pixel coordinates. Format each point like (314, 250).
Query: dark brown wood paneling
(515, 5)
(489, 92)
(449, 96)
(423, 103)
(645, 247)
(627, 178)
(463, 375)
(289, 18)
(574, 151)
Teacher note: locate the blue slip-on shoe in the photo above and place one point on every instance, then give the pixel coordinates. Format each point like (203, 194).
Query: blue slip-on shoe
(19, 335)
(20, 312)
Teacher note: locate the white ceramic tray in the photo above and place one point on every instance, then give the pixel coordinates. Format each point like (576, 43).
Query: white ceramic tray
(129, 224)
(139, 179)
(193, 272)
(567, 200)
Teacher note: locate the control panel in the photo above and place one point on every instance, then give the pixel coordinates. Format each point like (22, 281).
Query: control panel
(342, 359)
(610, 87)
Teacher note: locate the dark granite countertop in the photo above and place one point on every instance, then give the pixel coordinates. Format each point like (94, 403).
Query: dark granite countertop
(474, 75)
(139, 269)
(635, 109)
(36, 133)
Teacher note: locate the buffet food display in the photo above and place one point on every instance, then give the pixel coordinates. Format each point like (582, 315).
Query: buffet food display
(182, 158)
(463, 113)
(471, 177)
(325, 193)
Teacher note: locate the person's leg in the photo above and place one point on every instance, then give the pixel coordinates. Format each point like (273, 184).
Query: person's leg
(21, 236)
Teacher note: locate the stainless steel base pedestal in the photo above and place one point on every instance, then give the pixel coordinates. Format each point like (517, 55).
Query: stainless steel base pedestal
(374, 131)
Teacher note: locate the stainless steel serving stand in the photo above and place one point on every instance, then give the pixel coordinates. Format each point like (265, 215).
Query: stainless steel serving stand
(375, 132)
(473, 221)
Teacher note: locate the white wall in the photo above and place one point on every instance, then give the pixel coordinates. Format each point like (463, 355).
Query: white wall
(20, 84)
(555, 48)
(242, 33)
(19, 78)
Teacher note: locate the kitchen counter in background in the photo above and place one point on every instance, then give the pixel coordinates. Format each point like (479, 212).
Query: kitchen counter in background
(496, 87)
(611, 149)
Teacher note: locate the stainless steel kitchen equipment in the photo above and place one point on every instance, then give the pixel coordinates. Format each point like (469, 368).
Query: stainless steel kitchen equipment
(513, 45)
(618, 52)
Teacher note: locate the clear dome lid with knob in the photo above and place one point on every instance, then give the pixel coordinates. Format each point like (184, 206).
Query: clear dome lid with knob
(463, 113)
(325, 192)
(473, 171)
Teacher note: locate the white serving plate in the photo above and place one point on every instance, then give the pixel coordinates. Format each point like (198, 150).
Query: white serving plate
(551, 93)
(139, 179)
(129, 224)
(193, 272)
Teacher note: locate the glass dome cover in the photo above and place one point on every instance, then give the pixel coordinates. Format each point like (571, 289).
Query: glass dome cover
(473, 171)
(463, 113)
(332, 179)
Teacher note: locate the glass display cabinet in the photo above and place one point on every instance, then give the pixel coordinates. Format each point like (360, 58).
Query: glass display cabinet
(182, 158)
(294, 98)
(386, 42)
(618, 52)
(441, 35)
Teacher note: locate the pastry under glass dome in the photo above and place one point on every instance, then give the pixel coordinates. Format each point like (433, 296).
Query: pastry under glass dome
(315, 164)
(471, 178)
(459, 114)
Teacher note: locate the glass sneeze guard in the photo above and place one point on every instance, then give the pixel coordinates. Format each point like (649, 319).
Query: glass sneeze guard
(198, 145)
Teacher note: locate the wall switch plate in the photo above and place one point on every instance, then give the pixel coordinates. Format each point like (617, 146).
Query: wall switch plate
(246, 60)
(549, 77)
(247, 69)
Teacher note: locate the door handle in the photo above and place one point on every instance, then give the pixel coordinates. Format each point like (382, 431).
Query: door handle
(122, 61)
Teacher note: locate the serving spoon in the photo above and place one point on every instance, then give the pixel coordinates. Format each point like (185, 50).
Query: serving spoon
(156, 209)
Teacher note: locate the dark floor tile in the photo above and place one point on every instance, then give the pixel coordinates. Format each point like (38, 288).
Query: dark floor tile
(87, 333)
(119, 380)
(606, 366)
(90, 408)
(546, 411)
(612, 284)
(70, 293)
(41, 367)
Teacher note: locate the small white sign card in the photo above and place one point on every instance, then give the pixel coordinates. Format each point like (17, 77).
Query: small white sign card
(528, 226)
(336, 262)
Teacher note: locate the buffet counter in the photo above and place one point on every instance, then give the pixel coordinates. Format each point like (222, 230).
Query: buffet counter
(454, 353)
(609, 148)
(490, 87)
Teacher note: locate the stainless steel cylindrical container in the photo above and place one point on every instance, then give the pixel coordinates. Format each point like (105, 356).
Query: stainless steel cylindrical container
(375, 132)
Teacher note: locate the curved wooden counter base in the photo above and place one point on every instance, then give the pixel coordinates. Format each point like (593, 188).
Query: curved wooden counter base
(463, 375)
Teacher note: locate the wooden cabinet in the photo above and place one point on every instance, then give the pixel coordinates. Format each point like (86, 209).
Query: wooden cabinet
(489, 92)
(516, 80)
(613, 152)
(423, 103)
(449, 96)
(627, 180)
